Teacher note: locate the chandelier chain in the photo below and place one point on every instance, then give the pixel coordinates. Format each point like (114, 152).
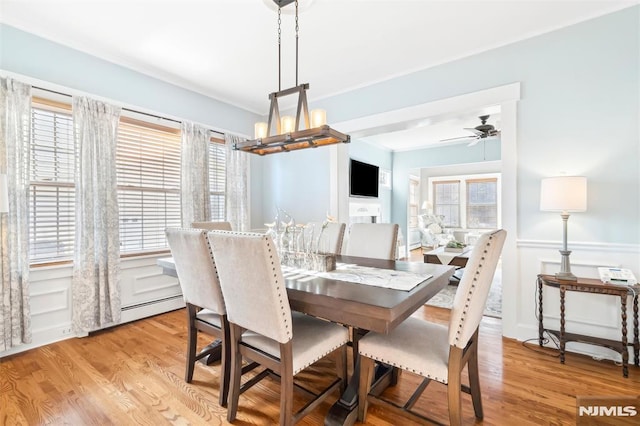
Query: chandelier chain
(279, 49)
(297, 31)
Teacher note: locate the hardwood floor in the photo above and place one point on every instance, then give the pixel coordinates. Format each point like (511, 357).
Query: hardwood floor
(134, 374)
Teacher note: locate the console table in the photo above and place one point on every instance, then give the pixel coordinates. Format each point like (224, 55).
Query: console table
(594, 286)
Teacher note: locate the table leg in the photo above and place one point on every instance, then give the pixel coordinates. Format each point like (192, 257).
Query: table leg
(540, 325)
(345, 410)
(562, 342)
(625, 350)
(212, 352)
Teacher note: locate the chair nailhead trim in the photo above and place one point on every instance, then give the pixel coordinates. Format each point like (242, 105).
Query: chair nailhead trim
(404, 367)
(470, 294)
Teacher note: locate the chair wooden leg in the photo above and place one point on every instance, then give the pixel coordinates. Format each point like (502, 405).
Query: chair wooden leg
(192, 340)
(341, 366)
(474, 382)
(286, 383)
(453, 387)
(367, 367)
(225, 364)
(236, 372)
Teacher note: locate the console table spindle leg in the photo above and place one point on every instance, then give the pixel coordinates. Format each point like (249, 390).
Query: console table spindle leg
(562, 342)
(636, 341)
(625, 350)
(540, 325)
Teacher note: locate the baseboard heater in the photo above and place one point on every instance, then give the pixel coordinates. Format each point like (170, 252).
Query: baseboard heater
(151, 302)
(151, 308)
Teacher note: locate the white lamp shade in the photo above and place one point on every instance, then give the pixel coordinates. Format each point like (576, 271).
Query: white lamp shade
(4, 194)
(564, 194)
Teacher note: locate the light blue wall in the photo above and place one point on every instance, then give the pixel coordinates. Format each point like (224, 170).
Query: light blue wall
(296, 181)
(29, 55)
(299, 182)
(578, 114)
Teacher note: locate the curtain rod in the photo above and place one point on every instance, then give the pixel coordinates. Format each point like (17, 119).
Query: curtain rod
(125, 109)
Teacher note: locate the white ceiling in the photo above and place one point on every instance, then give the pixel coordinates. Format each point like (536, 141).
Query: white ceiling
(227, 49)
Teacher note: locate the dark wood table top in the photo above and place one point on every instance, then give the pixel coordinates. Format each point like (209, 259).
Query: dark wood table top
(359, 305)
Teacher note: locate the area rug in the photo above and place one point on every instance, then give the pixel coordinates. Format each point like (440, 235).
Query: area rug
(444, 299)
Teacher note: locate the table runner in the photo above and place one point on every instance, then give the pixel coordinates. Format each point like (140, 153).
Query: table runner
(386, 278)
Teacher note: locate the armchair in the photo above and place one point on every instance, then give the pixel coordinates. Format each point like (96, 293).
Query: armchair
(431, 230)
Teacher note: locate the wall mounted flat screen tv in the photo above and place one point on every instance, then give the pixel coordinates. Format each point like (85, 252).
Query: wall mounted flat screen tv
(363, 179)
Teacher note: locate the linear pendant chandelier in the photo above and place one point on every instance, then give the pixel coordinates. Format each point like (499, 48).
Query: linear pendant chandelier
(288, 134)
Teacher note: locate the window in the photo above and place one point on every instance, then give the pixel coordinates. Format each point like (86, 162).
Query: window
(148, 168)
(467, 201)
(217, 178)
(414, 187)
(482, 203)
(447, 202)
(148, 173)
(52, 188)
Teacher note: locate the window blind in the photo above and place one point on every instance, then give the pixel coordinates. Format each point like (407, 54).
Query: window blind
(148, 168)
(217, 180)
(52, 189)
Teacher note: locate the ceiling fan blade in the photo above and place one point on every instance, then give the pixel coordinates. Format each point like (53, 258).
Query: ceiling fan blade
(458, 138)
(474, 131)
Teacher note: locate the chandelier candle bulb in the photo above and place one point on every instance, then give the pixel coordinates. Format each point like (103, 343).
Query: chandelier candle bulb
(260, 130)
(287, 123)
(318, 118)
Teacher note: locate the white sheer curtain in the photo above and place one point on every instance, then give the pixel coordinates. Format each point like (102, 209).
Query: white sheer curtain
(15, 132)
(237, 185)
(96, 287)
(194, 166)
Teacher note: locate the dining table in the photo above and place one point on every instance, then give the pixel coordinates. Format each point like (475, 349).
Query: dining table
(345, 299)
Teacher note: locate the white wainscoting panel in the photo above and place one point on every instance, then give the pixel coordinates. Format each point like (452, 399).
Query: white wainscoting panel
(145, 291)
(143, 282)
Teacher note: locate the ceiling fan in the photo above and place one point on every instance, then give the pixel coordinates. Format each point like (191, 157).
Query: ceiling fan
(482, 131)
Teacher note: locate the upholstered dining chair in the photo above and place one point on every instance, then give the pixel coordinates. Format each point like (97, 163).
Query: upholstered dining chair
(210, 226)
(435, 351)
(202, 294)
(332, 236)
(375, 240)
(284, 342)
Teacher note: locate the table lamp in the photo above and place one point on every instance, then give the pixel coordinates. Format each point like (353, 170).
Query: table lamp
(564, 194)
